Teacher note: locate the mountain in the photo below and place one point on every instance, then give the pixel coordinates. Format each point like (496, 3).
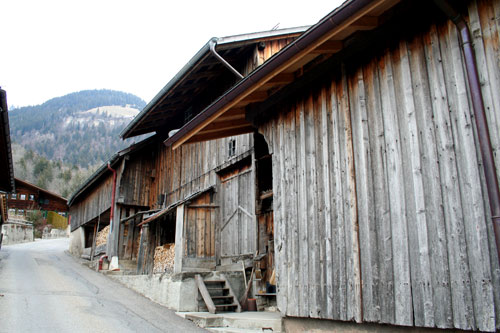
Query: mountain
(80, 129)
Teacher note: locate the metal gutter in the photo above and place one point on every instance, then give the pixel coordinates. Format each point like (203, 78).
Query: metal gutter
(213, 43)
(4, 119)
(250, 38)
(307, 39)
(479, 114)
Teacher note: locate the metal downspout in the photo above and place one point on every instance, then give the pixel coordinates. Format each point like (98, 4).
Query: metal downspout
(213, 43)
(480, 116)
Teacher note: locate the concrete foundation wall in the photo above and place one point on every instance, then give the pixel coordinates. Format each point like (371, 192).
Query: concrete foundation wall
(296, 325)
(77, 242)
(15, 233)
(178, 291)
(174, 294)
(55, 233)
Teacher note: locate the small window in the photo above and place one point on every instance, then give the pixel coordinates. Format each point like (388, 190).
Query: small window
(20, 212)
(23, 196)
(232, 147)
(13, 196)
(32, 197)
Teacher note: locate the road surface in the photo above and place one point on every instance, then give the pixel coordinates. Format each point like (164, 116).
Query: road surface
(43, 289)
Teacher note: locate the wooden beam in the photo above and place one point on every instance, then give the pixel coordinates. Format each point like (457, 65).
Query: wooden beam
(283, 78)
(329, 47)
(256, 96)
(221, 134)
(230, 116)
(365, 23)
(212, 128)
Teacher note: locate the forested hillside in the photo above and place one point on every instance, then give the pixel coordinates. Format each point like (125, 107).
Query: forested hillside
(54, 176)
(79, 129)
(66, 137)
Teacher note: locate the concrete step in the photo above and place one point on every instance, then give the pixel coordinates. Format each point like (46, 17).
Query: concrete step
(238, 322)
(263, 321)
(233, 330)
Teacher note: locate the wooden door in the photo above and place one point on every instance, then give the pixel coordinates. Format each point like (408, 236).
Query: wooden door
(238, 232)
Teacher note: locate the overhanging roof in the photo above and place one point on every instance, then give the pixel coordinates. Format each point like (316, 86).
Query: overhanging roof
(6, 166)
(103, 169)
(195, 77)
(319, 42)
(20, 182)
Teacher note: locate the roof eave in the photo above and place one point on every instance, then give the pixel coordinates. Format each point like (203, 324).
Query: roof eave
(199, 56)
(297, 48)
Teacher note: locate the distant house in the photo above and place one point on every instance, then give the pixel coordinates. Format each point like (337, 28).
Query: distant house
(28, 197)
(384, 188)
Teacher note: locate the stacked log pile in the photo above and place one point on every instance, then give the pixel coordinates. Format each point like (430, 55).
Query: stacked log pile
(164, 258)
(102, 236)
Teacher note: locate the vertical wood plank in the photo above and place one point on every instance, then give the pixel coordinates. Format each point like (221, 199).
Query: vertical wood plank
(354, 311)
(470, 191)
(365, 199)
(327, 217)
(414, 192)
(402, 287)
(339, 274)
(436, 231)
(304, 261)
(459, 271)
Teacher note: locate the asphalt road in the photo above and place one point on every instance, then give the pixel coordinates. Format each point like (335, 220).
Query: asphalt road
(44, 289)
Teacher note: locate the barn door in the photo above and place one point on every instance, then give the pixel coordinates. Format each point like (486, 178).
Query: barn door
(238, 223)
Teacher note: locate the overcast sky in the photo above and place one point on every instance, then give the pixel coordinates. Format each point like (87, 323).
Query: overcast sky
(54, 47)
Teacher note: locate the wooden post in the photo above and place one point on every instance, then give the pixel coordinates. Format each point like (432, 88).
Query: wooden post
(179, 239)
(142, 256)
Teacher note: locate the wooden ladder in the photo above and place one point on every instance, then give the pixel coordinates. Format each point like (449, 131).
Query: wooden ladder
(217, 294)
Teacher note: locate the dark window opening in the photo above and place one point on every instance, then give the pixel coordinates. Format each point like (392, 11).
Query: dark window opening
(264, 165)
(167, 229)
(232, 147)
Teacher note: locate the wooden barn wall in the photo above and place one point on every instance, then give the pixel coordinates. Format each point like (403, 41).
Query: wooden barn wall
(381, 211)
(259, 56)
(199, 227)
(191, 168)
(137, 179)
(95, 203)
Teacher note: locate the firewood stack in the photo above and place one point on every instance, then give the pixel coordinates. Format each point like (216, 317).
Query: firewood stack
(164, 258)
(102, 236)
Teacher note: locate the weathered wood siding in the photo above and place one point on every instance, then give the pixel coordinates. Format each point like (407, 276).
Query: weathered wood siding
(199, 226)
(137, 177)
(261, 55)
(380, 209)
(93, 204)
(238, 226)
(192, 168)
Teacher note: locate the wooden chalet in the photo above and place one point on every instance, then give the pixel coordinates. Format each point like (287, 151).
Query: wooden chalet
(200, 197)
(28, 197)
(384, 187)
